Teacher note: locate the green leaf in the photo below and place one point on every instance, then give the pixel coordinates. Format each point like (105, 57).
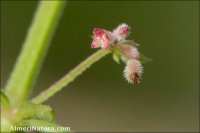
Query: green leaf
(5, 124)
(91, 36)
(4, 100)
(36, 111)
(116, 57)
(145, 59)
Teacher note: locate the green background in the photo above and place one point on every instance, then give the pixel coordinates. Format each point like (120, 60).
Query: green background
(167, 99)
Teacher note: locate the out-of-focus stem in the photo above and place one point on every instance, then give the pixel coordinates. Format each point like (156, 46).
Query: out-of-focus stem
(36, 43)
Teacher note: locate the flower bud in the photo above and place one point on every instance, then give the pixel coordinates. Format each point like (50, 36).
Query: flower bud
(121, 32)
(133, 71)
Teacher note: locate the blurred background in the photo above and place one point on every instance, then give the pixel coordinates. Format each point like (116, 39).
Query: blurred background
(166, 100)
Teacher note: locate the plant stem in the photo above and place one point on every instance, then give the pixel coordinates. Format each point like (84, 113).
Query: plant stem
(69, 77)
(33, 51)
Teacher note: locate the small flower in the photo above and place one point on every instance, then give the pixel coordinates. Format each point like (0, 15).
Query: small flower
(133, 71)
(121, 48)
(121, 32)
(102, 38)
(98, 32)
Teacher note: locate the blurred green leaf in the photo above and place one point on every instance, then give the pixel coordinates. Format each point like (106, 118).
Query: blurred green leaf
(36, 111)
(4, 100)
(91, 36)
(116, 57)
(145, 59)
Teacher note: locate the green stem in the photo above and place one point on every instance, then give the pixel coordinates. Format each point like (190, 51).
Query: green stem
(33, 51)
(69, 77)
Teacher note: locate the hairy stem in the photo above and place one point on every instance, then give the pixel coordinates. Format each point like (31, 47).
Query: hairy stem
(69, 77)
(34, 49)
